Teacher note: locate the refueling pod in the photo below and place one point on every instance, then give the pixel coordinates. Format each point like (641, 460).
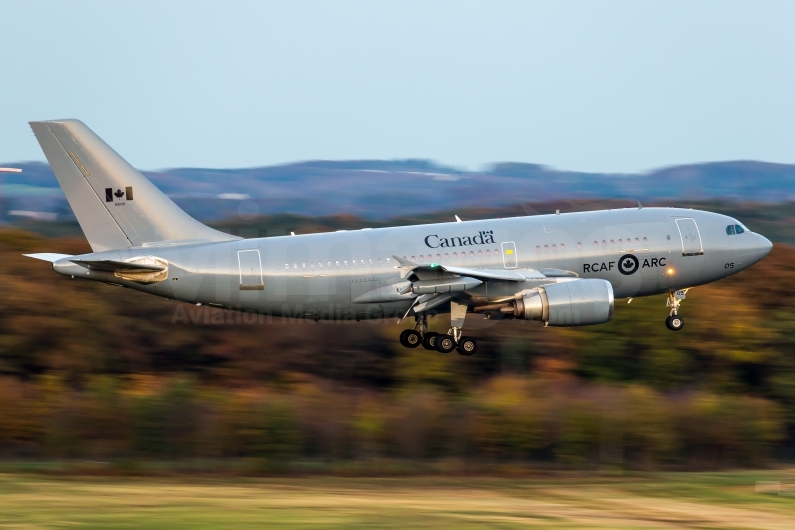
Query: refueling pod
(571, 303)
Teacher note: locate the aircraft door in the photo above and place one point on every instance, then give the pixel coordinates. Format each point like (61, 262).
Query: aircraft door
(509, 258)
(691, 238)
(250, 270)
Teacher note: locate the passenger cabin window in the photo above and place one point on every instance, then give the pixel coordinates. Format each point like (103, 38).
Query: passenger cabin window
(730, 230)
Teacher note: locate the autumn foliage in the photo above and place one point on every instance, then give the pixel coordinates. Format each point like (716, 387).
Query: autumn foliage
(95, 371)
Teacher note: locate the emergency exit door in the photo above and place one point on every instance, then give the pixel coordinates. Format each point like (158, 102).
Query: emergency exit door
(691, 238)
(250, 270)
(509, 258)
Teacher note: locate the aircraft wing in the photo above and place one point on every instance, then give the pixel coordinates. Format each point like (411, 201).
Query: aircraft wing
(434, 270)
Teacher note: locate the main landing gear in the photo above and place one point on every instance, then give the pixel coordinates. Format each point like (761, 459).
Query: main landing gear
(441, 342)
(674, 322)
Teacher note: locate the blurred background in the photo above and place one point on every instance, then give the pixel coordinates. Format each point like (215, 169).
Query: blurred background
(308, 117)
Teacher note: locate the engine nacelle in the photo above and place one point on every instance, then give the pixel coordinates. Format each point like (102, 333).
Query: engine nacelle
(570, 303)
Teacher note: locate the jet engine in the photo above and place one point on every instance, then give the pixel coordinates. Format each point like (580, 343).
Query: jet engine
(570, 303)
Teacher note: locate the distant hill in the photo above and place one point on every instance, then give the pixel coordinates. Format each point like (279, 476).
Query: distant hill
(378, 189)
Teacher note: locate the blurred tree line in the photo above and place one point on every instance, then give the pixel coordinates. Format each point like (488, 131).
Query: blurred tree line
(90, 370)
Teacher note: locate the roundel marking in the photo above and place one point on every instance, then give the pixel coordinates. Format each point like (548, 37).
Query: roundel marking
(628, 264)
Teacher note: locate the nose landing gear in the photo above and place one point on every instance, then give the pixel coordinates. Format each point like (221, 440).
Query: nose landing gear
(674, 322)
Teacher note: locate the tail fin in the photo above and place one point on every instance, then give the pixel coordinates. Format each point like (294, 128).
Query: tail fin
(116, 206)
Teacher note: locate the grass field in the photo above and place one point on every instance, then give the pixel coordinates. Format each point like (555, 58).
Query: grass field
(695, 500)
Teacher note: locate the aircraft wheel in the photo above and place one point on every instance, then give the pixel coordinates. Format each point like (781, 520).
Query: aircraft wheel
(410, 338)
(675, 322)
(429, 341)
(445, 343)
(467, 346)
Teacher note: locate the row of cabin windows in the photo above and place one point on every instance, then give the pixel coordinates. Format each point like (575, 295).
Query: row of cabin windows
(380, 261)
(734, 229)
(343, 263)
(430, 257)
(595, 244)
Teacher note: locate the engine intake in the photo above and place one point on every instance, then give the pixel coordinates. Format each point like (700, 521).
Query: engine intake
(571, 303)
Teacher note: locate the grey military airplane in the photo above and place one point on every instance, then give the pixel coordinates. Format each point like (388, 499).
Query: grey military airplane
(563, 269)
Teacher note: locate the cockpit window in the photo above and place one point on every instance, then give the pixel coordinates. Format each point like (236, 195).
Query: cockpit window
(730, 230)
(739, 229)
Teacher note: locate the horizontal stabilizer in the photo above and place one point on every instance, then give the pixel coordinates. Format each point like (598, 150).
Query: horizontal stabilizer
(48, 256)
(108, 265)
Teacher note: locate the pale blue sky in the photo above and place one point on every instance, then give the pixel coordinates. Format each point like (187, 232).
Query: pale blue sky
(595, 86)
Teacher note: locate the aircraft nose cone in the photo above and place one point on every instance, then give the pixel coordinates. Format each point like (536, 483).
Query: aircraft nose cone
(765, 246)
(758, 248)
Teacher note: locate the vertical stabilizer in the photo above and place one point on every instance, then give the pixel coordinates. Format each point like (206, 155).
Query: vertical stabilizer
(116, 206)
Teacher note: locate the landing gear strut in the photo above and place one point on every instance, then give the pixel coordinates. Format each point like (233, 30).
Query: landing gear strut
(411, 338)
(674, 322)
(443, 343)
(454, 339)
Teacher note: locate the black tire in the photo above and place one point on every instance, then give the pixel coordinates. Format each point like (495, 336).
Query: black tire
(412, 339)
(403, 338)
(445, 343)
(676, 323)
(668, 322)
(429, 340)
(467, 346)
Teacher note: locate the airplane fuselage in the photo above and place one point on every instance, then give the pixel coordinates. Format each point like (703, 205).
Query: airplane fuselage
(354, 274)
